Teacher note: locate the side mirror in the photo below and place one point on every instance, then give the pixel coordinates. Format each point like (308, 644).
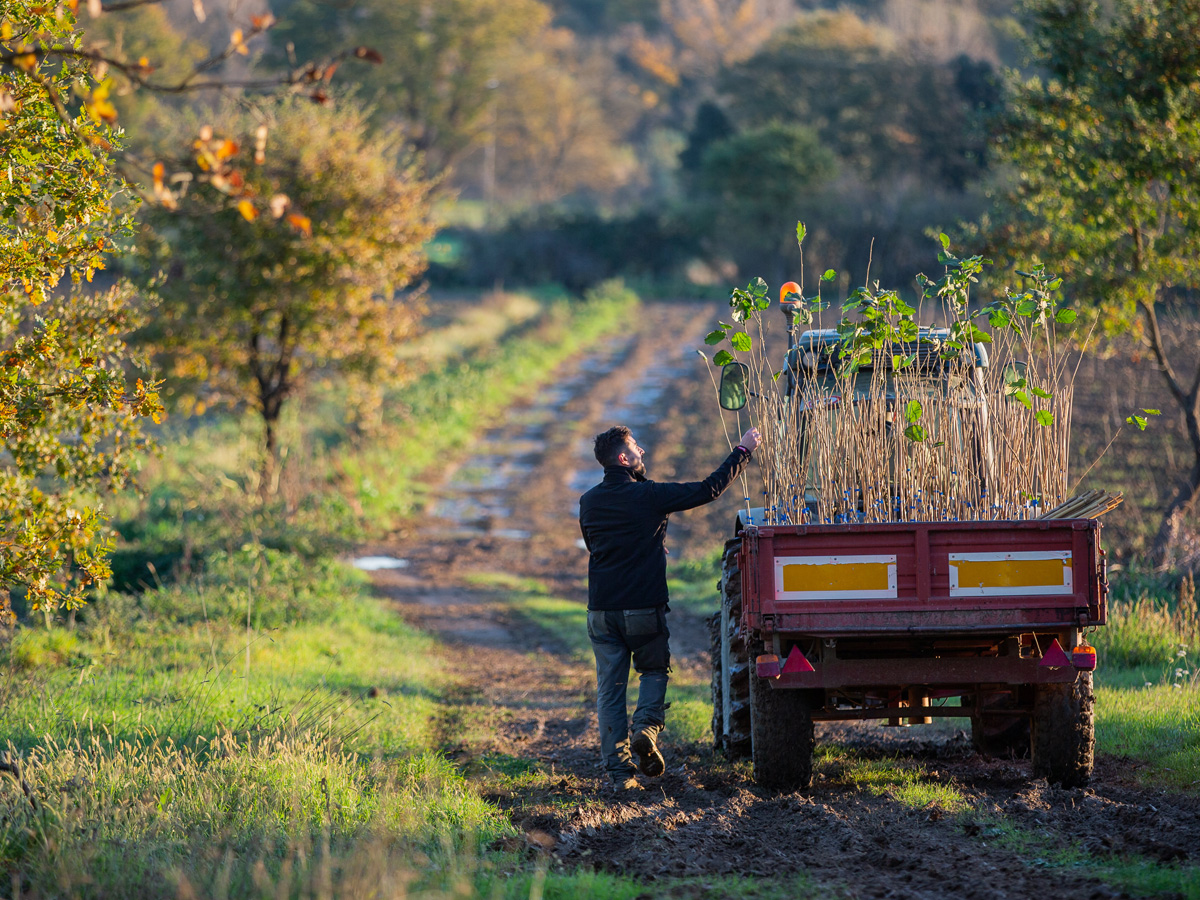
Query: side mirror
(1014, 374)
(734, 390)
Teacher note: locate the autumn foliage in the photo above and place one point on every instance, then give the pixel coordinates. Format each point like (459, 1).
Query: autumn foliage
(71, 401)
(292, 250)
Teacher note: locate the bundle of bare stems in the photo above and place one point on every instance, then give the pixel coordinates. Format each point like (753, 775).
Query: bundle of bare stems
(917, 430)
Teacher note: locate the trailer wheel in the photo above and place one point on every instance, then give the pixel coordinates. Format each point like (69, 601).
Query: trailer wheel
(781, 727)
(1064, 731)
(730, 663)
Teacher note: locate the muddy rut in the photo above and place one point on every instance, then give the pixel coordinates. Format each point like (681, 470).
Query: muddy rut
(510, 507)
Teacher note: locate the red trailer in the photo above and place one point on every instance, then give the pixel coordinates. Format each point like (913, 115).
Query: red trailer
(905, 622)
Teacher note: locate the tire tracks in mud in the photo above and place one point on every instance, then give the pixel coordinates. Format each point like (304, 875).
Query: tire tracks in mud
(509, 507)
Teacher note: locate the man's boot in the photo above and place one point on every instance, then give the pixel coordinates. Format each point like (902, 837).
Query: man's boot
(650, 760)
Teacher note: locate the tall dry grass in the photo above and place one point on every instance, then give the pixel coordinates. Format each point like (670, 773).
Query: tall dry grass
(886, 414)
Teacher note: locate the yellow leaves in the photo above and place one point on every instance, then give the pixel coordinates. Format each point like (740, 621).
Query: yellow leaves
(227, 149)
(238, 42)
(52, 236)
(301, 223)
(261, 23)
(248, 210)
(6, 30)
(98, 105)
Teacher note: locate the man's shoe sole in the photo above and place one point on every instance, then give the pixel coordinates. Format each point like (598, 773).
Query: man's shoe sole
(650, 761)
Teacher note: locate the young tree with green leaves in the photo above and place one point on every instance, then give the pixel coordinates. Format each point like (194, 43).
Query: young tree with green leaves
(1104, 148)
(304, 273)
(71, 403)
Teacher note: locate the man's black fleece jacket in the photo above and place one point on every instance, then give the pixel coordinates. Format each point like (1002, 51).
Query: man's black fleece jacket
(624, 523)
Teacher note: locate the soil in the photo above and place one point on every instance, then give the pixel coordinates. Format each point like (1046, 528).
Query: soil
(511, 507)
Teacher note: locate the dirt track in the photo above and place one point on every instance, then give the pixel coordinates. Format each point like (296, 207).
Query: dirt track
(511, 508)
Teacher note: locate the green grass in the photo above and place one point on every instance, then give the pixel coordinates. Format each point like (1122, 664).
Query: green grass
(1138, 876)
(261, 723)
(338, 487)
(145, 745)
(905, 782)
(693, 584)
(1158, 726)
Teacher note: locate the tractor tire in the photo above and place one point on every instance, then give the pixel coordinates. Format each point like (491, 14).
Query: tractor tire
(1063, 735)
(782, 739)
(718, 703)
(1001, 735)
(730, 663)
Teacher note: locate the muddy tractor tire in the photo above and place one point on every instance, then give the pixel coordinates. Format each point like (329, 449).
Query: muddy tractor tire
(781, 728)
(730, 663)
(1063, 733)
(997, 732)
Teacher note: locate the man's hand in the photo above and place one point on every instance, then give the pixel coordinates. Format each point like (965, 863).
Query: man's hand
(751, 439)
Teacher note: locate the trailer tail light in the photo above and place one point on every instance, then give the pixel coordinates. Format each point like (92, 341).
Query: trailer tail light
(1054, 657)
(797, 662)
(767, 665)
(1084, 655)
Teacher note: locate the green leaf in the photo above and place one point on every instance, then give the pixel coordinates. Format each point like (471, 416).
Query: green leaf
(1139, 421)
(722, 358)
(1038, 392)
(1153, 412)
(915, 433)
(913, 411)
(775, 375)
(1045, 418)
(1065, 316)
(714, 337)
(1023, 398)
(945, 241)
(829, 275)
(740, 341)
(801, 231)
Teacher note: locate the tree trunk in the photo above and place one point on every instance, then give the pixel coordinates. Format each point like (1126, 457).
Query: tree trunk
(1187, 398)
(274, 379)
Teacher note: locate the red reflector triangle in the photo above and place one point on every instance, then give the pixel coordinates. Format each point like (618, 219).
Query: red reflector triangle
(1054, 657)
(797, 663)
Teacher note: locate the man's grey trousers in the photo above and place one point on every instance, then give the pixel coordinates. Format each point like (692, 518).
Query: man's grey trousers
(618, 637)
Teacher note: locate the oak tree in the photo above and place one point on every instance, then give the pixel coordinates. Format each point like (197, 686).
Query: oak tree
(306, 272)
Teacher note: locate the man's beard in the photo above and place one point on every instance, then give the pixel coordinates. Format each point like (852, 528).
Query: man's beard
(639, 471)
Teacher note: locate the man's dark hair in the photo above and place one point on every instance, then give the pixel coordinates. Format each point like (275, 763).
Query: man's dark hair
(609, 444)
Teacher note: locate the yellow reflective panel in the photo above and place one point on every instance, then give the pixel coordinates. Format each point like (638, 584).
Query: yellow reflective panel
(821, 577)
(1011, 573)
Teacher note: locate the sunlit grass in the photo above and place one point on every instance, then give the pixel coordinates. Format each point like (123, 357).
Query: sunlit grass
(906, 783)
(1157, 725)
(1137, 875)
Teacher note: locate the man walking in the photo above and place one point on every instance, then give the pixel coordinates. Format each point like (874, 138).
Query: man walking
(624, 523)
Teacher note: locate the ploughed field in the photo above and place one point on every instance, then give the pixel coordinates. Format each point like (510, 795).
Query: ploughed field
(496, 570)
